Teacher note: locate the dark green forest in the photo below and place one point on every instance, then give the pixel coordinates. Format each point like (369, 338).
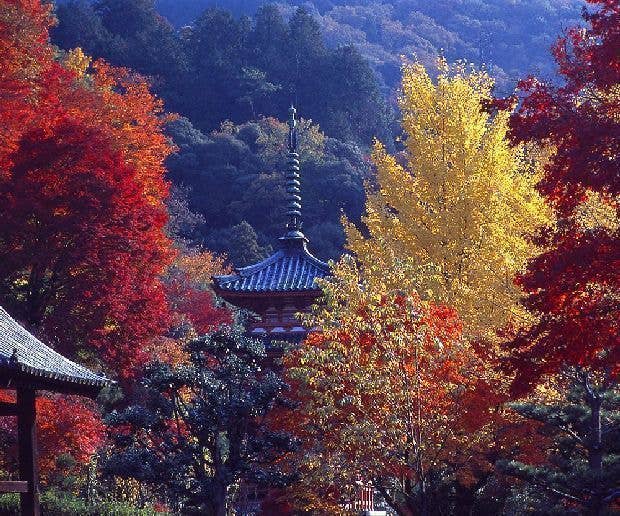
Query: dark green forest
(231, 69)
(511, 37)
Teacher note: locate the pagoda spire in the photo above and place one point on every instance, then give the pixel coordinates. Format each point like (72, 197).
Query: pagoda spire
(293, 191)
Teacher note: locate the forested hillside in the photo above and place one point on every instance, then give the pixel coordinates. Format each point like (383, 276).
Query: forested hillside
(246, 72)
(512, 37)
(237, 184)
(229, 68)
(244, 61)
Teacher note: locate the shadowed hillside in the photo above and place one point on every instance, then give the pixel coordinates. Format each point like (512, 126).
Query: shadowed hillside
(511, 37)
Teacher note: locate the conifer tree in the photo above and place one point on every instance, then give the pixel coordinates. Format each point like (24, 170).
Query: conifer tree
(202, 426)
(567, 479)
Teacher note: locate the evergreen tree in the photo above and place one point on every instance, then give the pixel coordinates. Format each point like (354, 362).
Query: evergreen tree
(214, 46)
(127, 33)
(235, 180)
(240, 243)
(227, 68)
(567, 481)
(202, 427)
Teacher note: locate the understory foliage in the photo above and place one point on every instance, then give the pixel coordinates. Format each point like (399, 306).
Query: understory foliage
(60, 503)
(391, 393)
(201, 426)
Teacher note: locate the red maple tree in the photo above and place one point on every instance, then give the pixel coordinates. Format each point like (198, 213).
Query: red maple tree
(24, 52)
(192, 304)
(573, 286)
(82, 217)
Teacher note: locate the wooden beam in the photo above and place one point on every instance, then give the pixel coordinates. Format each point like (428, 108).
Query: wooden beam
(13, 486)
(27, 451)
(8, 409)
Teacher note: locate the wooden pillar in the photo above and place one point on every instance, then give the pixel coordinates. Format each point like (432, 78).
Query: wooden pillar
(27, 453)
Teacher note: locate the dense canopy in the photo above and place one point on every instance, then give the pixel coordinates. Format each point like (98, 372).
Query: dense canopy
(439, 336)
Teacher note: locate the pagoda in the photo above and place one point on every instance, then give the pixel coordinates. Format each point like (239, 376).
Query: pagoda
(284, 284)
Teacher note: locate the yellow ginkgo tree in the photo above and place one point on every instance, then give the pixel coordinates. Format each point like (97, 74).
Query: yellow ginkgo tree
(449, 217)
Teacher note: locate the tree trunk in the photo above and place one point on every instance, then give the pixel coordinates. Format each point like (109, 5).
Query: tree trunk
(595, 449)
(400, 509)
(219, 499)
(35, 304)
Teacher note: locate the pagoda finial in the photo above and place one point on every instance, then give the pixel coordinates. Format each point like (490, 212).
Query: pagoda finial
(293, 192)
(292, 129)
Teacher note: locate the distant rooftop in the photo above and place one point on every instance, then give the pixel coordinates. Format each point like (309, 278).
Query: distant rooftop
(290, 269)
(24, 359)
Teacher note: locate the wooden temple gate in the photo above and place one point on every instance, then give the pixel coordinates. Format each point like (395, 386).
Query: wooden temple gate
(28, 365)
(28, 486)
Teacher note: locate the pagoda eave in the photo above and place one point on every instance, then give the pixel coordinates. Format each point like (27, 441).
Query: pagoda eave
(226, 294)
(261, 300)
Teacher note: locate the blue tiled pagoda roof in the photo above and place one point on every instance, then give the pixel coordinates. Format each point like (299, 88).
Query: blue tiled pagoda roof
(290, 269)
(25, 359)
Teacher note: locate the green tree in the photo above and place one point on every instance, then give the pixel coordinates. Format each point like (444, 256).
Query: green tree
(358, 110)
(227, 68)
(240, 243)
(265, 43)
(202, 427)
(214, 46)
(237, 174)
(566, 480)
(79, 25)
(127, 33)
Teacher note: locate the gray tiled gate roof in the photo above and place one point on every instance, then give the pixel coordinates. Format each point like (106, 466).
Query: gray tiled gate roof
(24, 357)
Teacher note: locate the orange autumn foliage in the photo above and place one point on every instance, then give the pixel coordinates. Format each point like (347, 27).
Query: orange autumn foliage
(192, 303)
(389, 392)
(66, 425)
(25, 52)
(121, 101)
(190, 294)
